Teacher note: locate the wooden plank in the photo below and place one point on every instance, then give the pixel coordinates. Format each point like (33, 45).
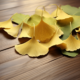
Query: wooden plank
(14, 4)
(8, 55)
(32, 6)
(17, 64)
(27, 9)
(21, 9)
(61, 69)
(16, 67)
(7, 41)
(2, 2)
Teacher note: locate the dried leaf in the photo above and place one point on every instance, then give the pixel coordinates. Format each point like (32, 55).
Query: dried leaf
(6, 24)
(59, 32)
(78, 36)
(55, 41)
(33, 48)
(70, 54)
(34, 19)
(66, 31)
(26, 31)
(13, 31)
(75, 23)
(77, 13)
(44, 28)
(72, 43)
(78, 31)
(44, 32)
(18, 18)
(70, 9)
(61, 17)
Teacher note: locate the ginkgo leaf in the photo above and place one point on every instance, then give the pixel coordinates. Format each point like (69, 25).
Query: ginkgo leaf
(26, 31)
(44, 28)
(34, 19)
(59, 32)
(78, 36)
(61, 17)
(70, 54)
(66, 30)
(70, 9)
(78, 30)
(43, 13)
(55, 41)
(78, 33)
(13, 31)
(52, 21)
(6, 24)
(18, 18)
(77, 13)
(44, 32)
(33, 48)
(75, 23)
(72, 43)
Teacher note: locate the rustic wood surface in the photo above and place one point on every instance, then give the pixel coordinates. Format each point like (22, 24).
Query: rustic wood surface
(53, 66)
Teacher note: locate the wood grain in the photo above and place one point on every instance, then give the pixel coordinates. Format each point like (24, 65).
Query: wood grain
(53, 66)
(7, 9)
(14, 64)
(61, 69)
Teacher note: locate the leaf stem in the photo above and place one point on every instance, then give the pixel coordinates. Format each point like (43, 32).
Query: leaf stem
(70, 27)
(56, 6)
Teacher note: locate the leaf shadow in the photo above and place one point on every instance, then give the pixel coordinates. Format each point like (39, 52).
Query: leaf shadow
(23, 40)
(55, 51)
(6, 35)
(15, 23)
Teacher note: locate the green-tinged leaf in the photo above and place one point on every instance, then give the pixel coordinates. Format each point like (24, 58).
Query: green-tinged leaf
(18, 18)
(71, 54)
(66, 31)
(70, 9)
(50, 21)
(35, 19)
(77, 13)
(75, 23)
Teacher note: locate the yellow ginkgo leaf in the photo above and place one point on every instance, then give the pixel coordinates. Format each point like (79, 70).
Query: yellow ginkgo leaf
(13, 31)
(72, 43)
(61, 17)
(59, 32)
(33, 48)
(78, 30)
(34, 19)
(78, 36)
(44, 32)
(43, 13)
(26, 29)
(6, 24)
(55, 41)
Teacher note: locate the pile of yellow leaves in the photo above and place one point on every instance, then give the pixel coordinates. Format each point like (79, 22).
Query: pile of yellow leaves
(45, 30)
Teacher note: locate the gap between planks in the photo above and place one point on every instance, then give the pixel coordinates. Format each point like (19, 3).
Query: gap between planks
(60, 69)
(14, 63)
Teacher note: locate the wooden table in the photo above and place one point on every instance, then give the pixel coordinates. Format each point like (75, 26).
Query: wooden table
(53, 66)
